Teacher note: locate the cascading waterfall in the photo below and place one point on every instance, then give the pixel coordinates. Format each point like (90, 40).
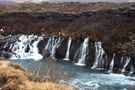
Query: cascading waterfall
(19, 48)
(47, 47)
(26, 47)
(34, 49)
(126, 64)
(3, 52)
(112, 64)
(5, 45)
(122, 58)
(68, 49)
(98, 55)
(83, 52)
(132, 70)
(52, 45)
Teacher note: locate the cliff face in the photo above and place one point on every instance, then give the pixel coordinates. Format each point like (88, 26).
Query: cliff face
(113, 27)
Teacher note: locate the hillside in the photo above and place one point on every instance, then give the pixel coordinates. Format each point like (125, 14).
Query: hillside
(111, 23)
(72, 7)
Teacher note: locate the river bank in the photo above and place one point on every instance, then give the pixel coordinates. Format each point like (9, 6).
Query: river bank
(14, 77)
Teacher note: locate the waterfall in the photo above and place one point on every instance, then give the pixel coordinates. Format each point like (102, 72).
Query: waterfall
(122, 58)
(5, 45)
(48, 44)
(20, 46)
(132, 70)
(126, 64)
(26, 47)
(68, 49)
(2, 30)
(52, 44)
(3, 52)
(34, 49)
(98, 55)
(47, 47)
(83, 52)
(112, 63)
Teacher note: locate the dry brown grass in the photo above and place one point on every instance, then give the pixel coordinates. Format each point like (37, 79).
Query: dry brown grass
(46, 86)
(14, 77)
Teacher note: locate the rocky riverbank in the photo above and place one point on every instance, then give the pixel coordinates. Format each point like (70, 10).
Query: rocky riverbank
(114, 28)
(102, 38)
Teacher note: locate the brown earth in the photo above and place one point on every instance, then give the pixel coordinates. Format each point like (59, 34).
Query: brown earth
(71, 7)
(111, 23)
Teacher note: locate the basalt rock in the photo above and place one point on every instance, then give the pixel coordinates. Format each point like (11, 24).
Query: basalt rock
(81, 52)
(111, 27)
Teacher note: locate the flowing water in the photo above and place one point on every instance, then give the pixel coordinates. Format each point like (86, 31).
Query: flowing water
(112, 64)
(84, 78)
(98, 55)
(68, 49)
(25, 51)
(83, 51)
(126, 64)
(52, 44)
(19, 48)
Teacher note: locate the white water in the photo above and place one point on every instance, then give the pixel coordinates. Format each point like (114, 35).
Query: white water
(83, 78)
(5, 45)
(91, 81)
(83, 52)
(26, 48)
(19, 48)
(52, 44)
(132, 70)
(122, 59)
(2, 56)
(48, 44)
(112, 63)
(2, 30)
(126, 64)
(98, 56)
(47, 47)
(68, 49)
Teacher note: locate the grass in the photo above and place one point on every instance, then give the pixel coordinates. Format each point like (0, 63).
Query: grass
(14, 77)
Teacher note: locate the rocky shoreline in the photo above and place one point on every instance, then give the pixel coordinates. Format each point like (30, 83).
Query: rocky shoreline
(96, 36)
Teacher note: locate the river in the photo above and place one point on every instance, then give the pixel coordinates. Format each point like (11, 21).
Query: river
(82, 78)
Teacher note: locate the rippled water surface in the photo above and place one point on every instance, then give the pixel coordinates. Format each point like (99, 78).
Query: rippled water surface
(83, 78)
